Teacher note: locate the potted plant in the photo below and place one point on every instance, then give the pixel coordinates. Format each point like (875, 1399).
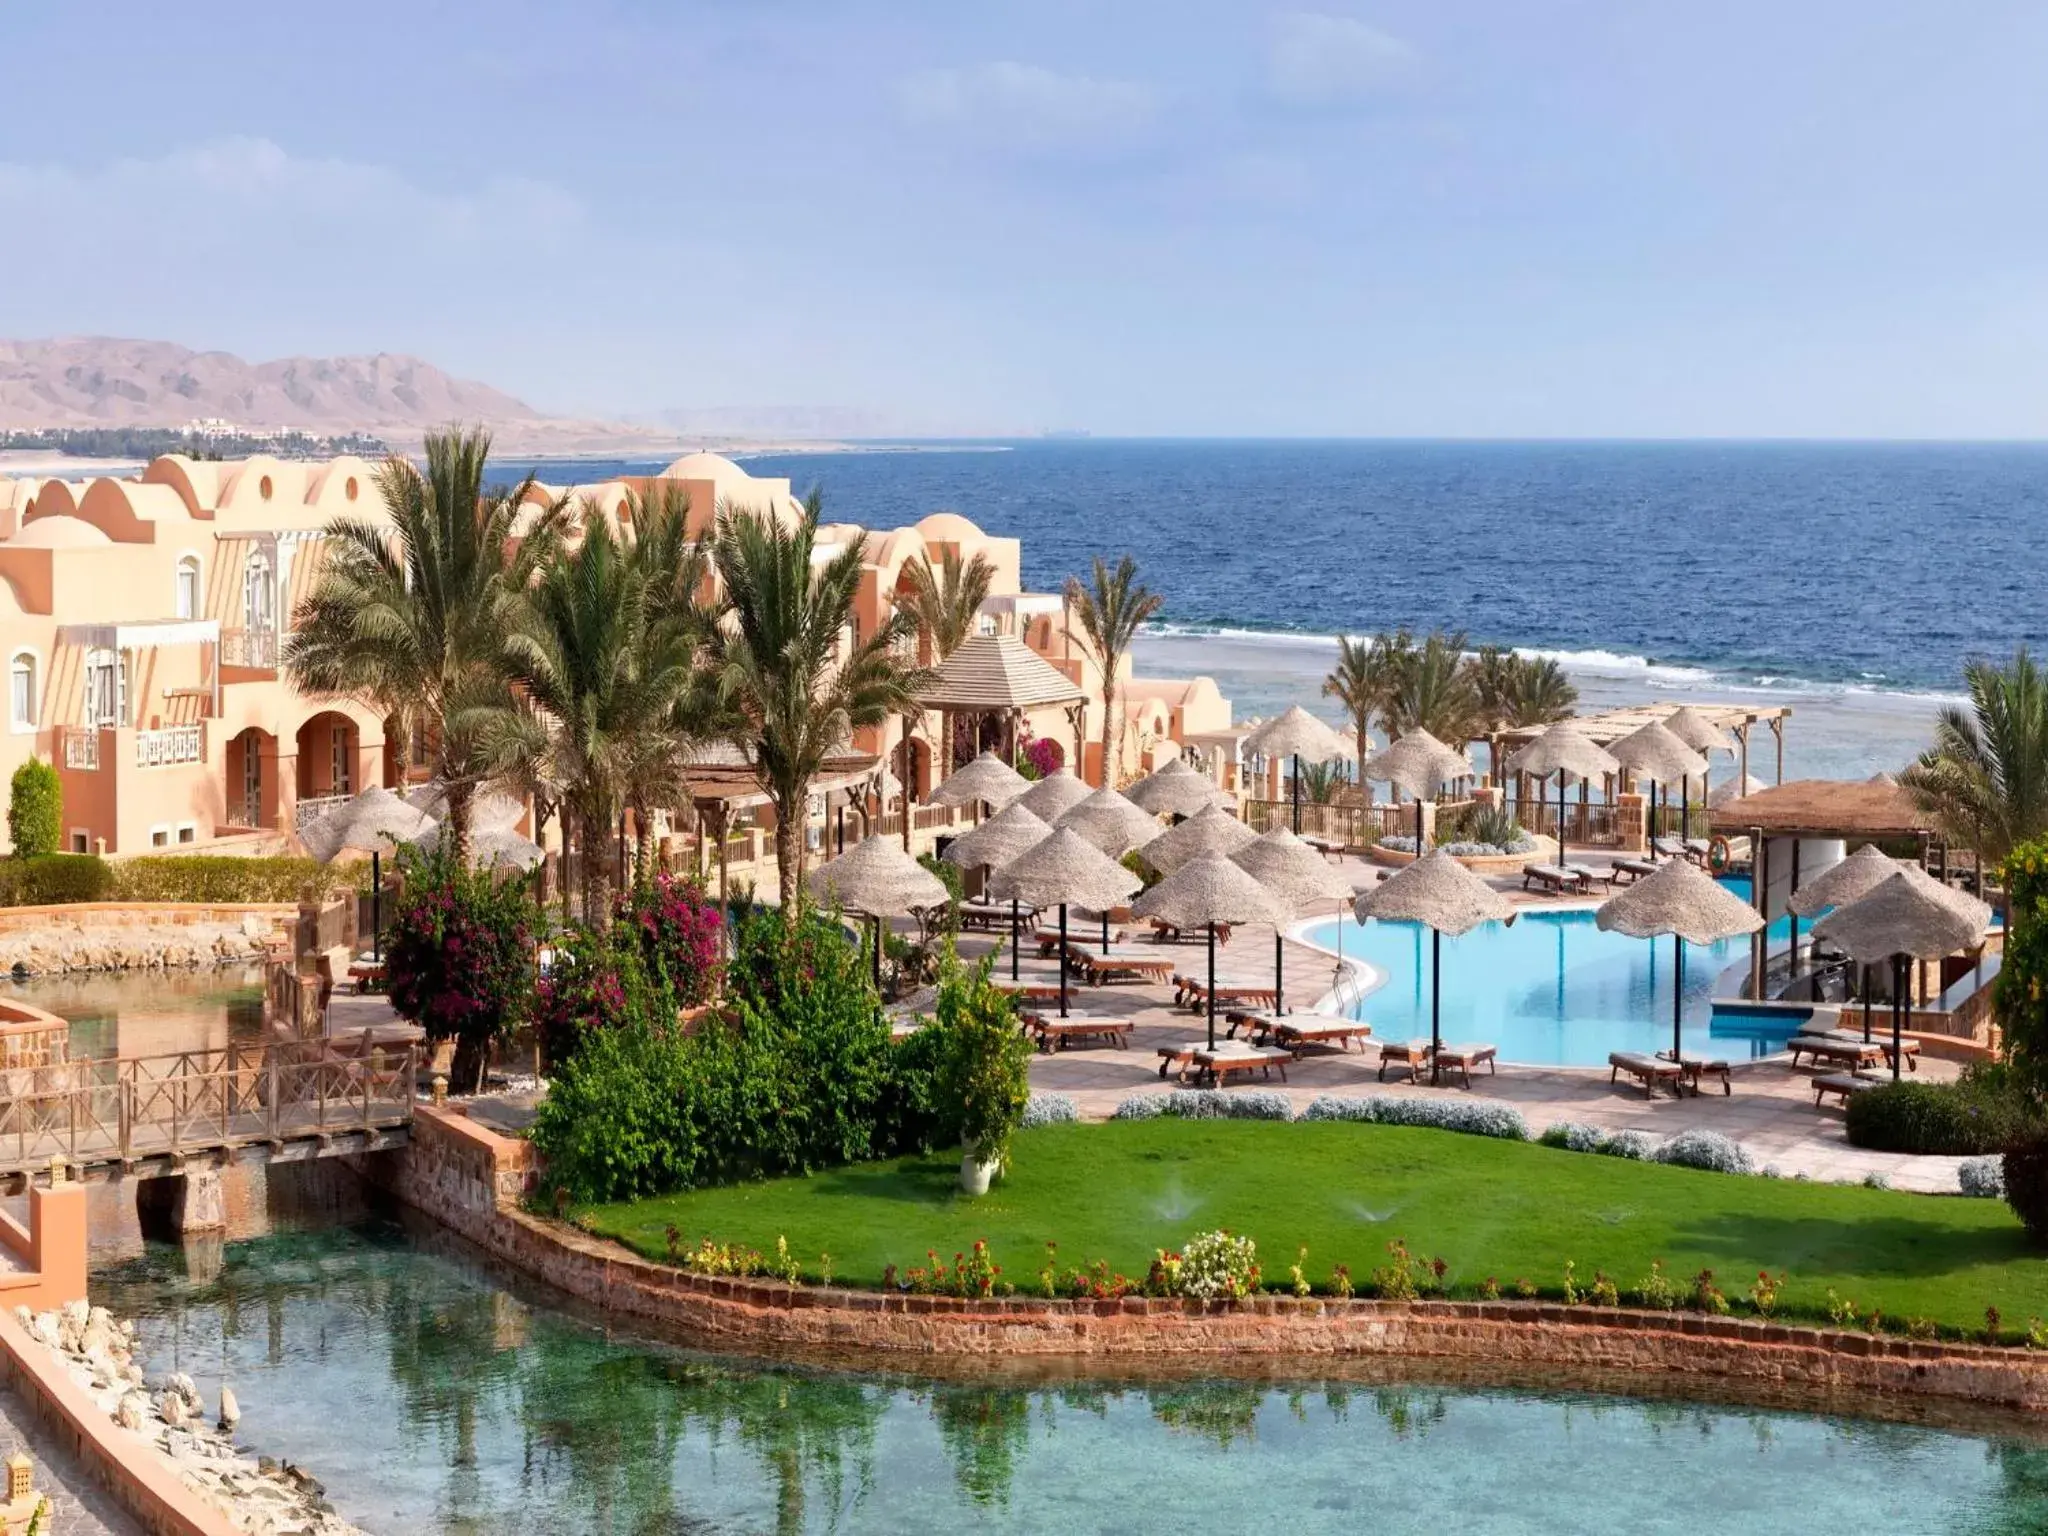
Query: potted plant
(988, 1069)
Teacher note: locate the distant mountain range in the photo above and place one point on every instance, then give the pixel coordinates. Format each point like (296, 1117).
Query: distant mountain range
(97, 381)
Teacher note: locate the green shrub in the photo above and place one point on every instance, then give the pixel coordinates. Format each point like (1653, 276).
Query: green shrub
(2026, 1182)
(35, 809)
(1979, 1113)
(987, 1060)
(200, 877)
(2021, 996)
(55, 879)
(459, 955)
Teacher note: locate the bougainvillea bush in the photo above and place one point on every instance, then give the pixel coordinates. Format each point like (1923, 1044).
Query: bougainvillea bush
(459, 955)
(681, 934)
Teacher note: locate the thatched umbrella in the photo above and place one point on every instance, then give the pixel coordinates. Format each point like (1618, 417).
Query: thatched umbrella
(489, 811)
(1115, 826)
(1212, 830)
(1863, 872)
(1704, 737)
(1297, 734)
(1420, 764)
(1653, 753)
(1683, 900)
(1206, 891)
(375, 822)
(877, 878)
(1010, 832)
(1062, 868)
(491, 847)
(1904, 920)
(1174, 790)
(988, 779)
(1735, 789)
(1563, 749)
(1053, 796)
(1445, 897)
(1299, 877)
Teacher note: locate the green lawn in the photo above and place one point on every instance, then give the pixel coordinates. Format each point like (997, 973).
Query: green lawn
(1489, 1208)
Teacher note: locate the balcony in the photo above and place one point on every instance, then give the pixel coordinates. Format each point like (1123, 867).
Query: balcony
(311, 809)
(169, 746)
(82, 748)
(248, 648)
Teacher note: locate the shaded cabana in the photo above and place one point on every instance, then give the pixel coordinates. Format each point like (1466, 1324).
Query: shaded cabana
(1000, 677)
(1903, 920)
(1445, 897)
(1010, 833)
(1061, 870)
(1206, 891)
(1297, 734)
(1655, 754)
(720, 780)
(879, 880)
(1299, 878)
(1684, 901)
(1420, 764)
(1565, 750)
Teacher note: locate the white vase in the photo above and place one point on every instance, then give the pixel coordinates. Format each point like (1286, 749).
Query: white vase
(974, 1173)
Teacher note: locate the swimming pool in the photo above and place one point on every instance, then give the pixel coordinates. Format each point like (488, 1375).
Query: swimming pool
(1553, 990)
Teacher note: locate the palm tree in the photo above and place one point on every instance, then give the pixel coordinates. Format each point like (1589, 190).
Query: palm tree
(1542, 695)
(1111, 608)
(413, 616)
(1495, 674)
(1985, 780)
(945, 600)
(1356, 683)
(778, 669)
(1432, 692)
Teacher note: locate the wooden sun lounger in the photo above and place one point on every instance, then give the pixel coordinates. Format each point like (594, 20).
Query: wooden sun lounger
(994, 916)
(1571, 880)
(1098, 969)
(1910, 1049)
(1297, 1031)
(1463, 1058)
(1193, 992)
(1856, 1054)
(1166, 933)
(1219, 1065)
(1843, 1085)
(1029, 991)
(1412, 1054)
(1054, 1033)
(1651, 1071)
(1635, 869)
(1697, 1067)
(1328, 847)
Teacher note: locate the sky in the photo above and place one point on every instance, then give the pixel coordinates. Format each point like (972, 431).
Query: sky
(1461, 218)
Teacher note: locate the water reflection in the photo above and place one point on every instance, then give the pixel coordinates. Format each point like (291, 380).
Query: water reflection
(431, 1398)
(149, 1013)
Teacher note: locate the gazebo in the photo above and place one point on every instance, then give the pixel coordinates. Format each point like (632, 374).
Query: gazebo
(1001, 676)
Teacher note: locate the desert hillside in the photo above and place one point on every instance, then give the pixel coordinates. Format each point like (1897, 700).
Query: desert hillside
(96, 381)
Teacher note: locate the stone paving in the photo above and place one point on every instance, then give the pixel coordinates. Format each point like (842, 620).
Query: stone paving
(1771, 1110)
(78, 1506)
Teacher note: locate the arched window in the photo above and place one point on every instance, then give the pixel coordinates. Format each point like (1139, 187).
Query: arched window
(257, 594)
(22, 691)
(188, 587)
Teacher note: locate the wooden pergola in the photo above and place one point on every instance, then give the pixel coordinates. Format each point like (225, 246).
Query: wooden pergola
(1866, 811)
(1002, 676)
(723, 779)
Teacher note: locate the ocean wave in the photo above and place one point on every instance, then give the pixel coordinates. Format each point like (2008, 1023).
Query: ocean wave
(1681, 677)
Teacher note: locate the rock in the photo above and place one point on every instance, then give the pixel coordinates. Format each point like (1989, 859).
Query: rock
(172, 1409)
(230, 1410)
(133, 1412)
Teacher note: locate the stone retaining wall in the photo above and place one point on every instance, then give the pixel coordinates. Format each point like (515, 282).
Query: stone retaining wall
(114, 936)
(470, 1179)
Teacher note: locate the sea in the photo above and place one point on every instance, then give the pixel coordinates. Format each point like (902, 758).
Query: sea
(1850, 581)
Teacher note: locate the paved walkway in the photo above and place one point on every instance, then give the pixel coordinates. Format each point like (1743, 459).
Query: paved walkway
(78, 1506)
(1771, 1110)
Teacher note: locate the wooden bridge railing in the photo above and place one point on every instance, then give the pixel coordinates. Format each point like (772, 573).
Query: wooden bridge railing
(114, 1110)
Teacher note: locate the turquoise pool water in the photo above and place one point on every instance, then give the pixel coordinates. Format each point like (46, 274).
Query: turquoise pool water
(1552, 989)
(430, 1397)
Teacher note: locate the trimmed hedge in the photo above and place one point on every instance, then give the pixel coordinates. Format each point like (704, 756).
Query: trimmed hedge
(53, 879)
(35, 810)
(1972, 1117)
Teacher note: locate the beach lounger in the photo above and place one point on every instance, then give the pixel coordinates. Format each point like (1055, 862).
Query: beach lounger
(1178, 1058)
(1299, 1031)
(1193, 991)
(1412, 1054)
(1842, 1085)
(994, 916)
(1569, 881)
(1098, 969)
(1855, 1054)
(1029, 991)
(1328, 847)
(1461, 1059)
(1635, 869)
(1238, 1059)
(1697, 1067)
(1652, 1072)
(1055, 1033)
(1166, 933)
(1910, 1049)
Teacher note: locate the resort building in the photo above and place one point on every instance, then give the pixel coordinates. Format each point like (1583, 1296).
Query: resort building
(143, 619)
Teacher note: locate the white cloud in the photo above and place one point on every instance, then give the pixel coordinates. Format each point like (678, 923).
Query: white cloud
(1023, 106)
(232, 189)
(1319, 60)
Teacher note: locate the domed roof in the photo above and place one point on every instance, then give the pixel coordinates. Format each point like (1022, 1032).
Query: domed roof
(59, 532)
(704, 466)
(948, 526)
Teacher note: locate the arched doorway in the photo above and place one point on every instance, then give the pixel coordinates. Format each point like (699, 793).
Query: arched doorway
(250, 792)
(327, 753)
